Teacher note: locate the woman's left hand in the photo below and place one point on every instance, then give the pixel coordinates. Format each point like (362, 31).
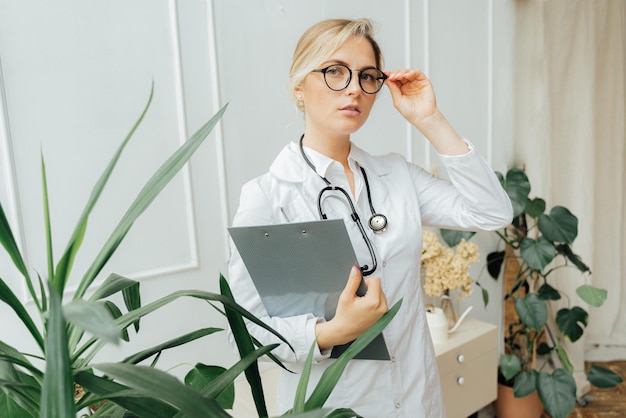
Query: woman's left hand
(412, 94)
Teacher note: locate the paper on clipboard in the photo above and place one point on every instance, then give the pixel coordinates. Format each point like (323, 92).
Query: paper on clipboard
(300, 268)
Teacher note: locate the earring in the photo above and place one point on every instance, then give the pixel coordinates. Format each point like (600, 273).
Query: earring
(299, 96)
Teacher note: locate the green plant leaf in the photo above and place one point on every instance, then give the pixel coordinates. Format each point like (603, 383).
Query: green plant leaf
(15, 356)
(537, 254)
(510, 366)
(227, 378)
(300, 398)
(160, 385)
(111, 285)
(557, 392)
(566, 250)
(337, 413)
(146, 196)
(570, 321)
(564, 358)
(48, 227)
(453, 238)
(21, 393)
(123, 396)
(203, 375)
(494, 263)
(535, 207)
(318, 413)
(331, 375)
(24, 389)
(8, 242)
(8, 297)
(525, 384)
(543, 349)
(547, 292)
(57, 398)
(132, 300)
(130, 317)
(484, 293)
(517, 186)
(532, 311)
(115, 313)
(9, 408)
(603, 378)
(559, 226)
(94, 318)
(175, 342)
(592, 295)
(245, 347)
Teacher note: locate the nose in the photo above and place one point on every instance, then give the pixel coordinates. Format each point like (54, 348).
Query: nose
(353, 86)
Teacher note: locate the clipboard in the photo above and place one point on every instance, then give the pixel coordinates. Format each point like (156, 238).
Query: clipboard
(302, 267)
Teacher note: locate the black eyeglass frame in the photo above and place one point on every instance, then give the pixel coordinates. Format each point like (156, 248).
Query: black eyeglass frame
(350, 71)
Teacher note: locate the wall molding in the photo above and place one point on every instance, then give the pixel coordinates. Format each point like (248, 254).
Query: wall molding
(426, 29)
(490, 81)
(219, 132)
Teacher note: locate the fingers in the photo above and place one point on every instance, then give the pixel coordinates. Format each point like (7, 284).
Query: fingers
(406, 75)
(354, 281)
(375, 294)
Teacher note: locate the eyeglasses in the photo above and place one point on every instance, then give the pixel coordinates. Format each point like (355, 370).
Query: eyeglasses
(338, 77)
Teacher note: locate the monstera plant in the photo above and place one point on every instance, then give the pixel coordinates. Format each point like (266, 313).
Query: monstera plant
(64, 378)
(536, 244)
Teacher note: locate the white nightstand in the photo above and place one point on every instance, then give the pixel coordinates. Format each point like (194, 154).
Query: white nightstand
(468, 366)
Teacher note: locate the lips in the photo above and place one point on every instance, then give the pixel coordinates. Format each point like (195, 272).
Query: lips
(351, 109)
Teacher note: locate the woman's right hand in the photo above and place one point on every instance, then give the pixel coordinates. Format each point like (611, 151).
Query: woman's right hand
(354, 314)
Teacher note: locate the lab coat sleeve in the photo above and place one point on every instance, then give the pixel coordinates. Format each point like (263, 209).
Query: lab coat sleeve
(256, 208)
(472, 198)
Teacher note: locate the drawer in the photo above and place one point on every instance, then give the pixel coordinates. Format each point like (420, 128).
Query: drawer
(470, 385)
(456, 355)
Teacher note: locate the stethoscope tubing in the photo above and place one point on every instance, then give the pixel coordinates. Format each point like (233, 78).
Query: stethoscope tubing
(376, 218)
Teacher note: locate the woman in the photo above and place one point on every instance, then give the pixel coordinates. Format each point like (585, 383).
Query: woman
(335, 79)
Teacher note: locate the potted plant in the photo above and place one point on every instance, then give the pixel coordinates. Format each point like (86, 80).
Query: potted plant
(536, 244)
(45, 384)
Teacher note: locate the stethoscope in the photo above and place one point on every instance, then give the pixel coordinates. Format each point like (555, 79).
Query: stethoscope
(377, 222)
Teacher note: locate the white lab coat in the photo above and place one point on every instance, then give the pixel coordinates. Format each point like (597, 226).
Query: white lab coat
(408, 385)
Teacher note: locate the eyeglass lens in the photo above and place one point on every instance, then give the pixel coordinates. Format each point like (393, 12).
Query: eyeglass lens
(338, 77)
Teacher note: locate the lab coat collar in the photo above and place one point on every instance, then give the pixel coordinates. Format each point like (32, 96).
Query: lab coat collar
(290, 166)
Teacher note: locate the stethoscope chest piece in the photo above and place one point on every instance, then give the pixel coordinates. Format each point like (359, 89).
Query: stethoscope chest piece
(378, 223)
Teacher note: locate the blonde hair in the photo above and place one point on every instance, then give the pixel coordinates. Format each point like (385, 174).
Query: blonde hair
(321, 40)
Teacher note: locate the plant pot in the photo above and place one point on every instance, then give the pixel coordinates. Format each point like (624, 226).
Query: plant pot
(508, 406)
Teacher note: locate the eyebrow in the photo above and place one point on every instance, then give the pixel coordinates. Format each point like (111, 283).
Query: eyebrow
(336, 61)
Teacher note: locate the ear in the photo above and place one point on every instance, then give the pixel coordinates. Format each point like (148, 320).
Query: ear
(297, 92)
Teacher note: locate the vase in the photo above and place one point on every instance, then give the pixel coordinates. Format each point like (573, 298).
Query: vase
(508, 406)
(447, 306)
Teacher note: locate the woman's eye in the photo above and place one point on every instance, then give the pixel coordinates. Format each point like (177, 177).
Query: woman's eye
(334, 71)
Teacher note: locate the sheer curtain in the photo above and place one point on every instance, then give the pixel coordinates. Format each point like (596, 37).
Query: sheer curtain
(571, 135)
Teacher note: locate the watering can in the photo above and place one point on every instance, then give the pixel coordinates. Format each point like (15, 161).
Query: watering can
(438, 323)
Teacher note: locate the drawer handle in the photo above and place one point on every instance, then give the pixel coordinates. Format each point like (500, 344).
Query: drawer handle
(460, 358)
(460, 380)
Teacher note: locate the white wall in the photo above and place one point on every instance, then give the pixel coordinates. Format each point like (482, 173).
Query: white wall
(76, 74)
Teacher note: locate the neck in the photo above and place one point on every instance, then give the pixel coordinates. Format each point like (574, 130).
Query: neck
(336, 147)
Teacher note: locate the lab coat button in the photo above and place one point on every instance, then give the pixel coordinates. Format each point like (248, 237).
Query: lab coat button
(397, 405)
(393, 359)
(384, 264)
